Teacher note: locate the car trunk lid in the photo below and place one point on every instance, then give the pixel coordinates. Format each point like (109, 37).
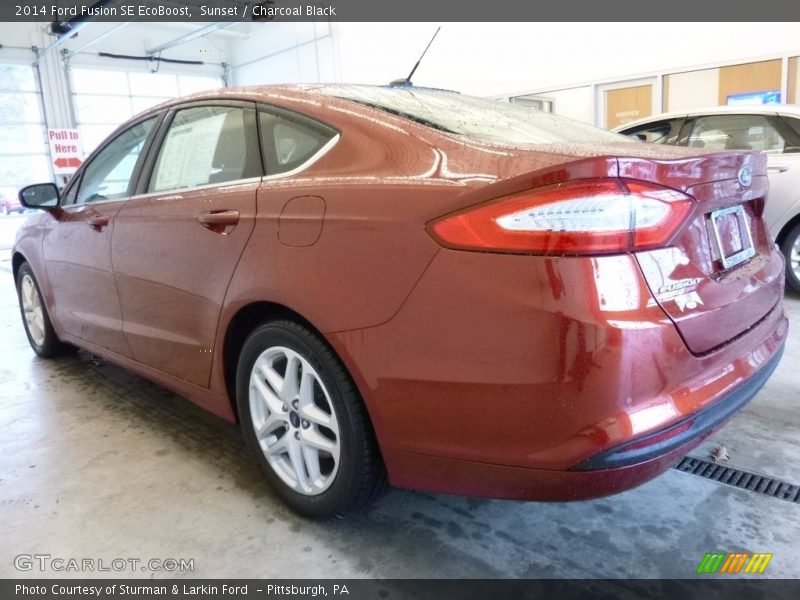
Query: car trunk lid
(719, 277)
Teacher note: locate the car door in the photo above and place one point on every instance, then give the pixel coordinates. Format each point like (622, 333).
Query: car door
(177, 242)
(77, 245)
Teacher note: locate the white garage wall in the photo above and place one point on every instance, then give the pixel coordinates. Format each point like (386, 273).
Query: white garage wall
(692, 90)
(575, 103)
(284, 53)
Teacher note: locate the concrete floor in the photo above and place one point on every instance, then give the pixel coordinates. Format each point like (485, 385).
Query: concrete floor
(97, 463)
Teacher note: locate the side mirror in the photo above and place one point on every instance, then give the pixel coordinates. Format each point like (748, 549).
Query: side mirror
(39, 195)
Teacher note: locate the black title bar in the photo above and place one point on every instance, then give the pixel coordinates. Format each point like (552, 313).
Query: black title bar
(705, 588)
(399, 10)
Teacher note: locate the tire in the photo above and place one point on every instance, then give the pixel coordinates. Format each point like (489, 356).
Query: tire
(38, 327)
(311, 435)
(791, 252)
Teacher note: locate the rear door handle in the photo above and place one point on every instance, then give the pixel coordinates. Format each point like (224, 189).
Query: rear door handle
(778, 169)
(219, 221)
(98, 221)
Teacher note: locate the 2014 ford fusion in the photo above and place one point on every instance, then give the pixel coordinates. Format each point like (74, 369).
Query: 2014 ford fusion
(460, 295)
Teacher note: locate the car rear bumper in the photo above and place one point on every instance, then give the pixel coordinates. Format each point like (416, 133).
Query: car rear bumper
(533, 377)
(468, 478)
(695, 427)
(611, 472)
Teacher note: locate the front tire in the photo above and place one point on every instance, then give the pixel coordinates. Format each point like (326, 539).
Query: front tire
(791, 252)
(302, 416)
(41, 335)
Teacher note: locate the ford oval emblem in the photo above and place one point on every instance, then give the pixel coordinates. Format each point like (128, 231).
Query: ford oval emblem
(745, 176)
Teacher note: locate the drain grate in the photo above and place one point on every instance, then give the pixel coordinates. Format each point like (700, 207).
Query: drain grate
(761, 484)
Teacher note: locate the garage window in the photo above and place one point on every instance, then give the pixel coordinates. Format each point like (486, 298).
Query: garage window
(104, 98)
(24, 156)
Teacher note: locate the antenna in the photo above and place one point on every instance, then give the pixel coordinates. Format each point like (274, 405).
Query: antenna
(407, 80)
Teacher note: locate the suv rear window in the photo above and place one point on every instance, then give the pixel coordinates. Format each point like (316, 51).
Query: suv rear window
(488, 120)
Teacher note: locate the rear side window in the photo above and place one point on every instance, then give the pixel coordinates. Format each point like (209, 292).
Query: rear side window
(289, 140)
(735, 132)
(660, 132)
(206, 145)
(108, 175)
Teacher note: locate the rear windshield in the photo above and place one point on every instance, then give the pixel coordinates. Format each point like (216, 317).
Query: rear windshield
(489, 120)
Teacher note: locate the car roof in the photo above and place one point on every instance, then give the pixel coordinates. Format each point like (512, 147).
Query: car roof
(762, 109)
(299, 91)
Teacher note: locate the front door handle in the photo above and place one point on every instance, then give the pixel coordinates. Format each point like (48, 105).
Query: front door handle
(778, 169)
(98, 221)
(219, 221)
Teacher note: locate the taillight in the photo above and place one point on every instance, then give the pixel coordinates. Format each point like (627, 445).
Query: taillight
(583, 217)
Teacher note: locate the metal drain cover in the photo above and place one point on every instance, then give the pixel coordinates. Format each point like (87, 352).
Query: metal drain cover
(745, 480)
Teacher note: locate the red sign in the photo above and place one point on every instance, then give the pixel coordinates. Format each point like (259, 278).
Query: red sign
(65, 150)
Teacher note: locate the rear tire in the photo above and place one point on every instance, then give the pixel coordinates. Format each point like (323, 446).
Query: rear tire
(41, 335)
(791, 252)
(303, 417)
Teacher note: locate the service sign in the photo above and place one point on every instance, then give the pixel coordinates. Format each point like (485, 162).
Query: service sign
(66, 151)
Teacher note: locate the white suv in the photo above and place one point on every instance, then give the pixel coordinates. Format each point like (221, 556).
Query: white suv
(774, 129)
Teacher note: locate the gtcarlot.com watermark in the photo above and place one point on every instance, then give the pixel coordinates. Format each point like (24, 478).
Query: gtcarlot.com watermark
(57, 564)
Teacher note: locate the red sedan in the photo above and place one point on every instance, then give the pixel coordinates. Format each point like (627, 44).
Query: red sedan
(458, 294)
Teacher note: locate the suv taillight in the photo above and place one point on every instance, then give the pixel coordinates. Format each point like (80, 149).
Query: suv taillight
(596, 216)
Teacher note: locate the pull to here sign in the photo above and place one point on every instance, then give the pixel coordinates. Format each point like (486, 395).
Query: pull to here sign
(65, 150)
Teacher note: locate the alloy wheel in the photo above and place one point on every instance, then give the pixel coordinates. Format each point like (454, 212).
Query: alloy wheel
(32, 309)
(294, 420)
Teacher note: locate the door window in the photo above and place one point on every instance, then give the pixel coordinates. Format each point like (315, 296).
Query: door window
(207, 145)
(735, 132)
(660, 132)
(108, 175)
(290, 140)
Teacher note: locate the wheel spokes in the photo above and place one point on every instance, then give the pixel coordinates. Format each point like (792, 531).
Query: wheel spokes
(314, 439)
(274, 380)
(267, 395)
(26, 294)
(278, 447)
(32, 309)
(317, 416)
(298, 465)
(294, 421)
(269, 425)
(311, 458)
(292, 377)
(794, 256)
